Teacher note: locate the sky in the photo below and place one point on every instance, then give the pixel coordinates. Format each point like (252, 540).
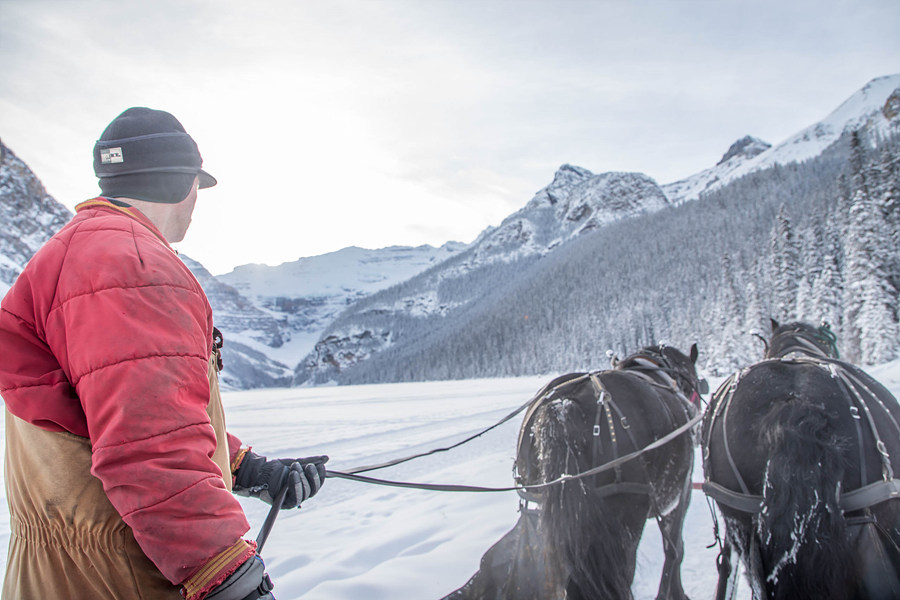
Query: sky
(375, 123)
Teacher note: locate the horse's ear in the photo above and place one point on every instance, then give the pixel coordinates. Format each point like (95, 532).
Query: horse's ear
(694, 353)
(775, 324)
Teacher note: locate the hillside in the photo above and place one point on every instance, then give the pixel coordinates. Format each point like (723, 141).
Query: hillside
(873, 109)
(593, 262)
(786, 241)
(30, 216)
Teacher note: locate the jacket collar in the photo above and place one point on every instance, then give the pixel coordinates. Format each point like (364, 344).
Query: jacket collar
(104, 204)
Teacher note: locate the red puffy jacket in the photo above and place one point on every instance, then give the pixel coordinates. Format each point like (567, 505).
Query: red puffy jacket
(107, 335)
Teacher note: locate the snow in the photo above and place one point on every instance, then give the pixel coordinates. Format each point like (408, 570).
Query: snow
(352, 269)
(329, 283)
(360, 541)
(862, 108)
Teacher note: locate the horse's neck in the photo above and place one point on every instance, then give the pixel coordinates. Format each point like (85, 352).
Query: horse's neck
(648, 368)
(799, 345)
(656, 374)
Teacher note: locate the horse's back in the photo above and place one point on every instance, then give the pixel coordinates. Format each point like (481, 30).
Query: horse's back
(854, 406)
(631, 414)
(799, 435)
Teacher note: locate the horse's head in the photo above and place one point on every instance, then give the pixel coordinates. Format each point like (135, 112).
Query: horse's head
(680, 366)
(802, 337)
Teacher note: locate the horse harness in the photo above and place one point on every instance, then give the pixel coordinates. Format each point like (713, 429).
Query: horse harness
(820, 342)
(858, 396)
(648, 368)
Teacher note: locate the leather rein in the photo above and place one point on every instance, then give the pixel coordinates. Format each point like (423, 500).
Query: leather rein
(653, 370)
(667, 382)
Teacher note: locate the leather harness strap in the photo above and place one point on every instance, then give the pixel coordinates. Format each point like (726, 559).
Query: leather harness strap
(864, 497)
(643, 367)
(537, 486)
(858, 499)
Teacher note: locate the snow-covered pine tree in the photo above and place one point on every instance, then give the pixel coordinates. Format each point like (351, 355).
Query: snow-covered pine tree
(827, 288)
(811, 245)
(871, 328)
(756, 315)
(889, 200)
(727, 315)
(785, 267)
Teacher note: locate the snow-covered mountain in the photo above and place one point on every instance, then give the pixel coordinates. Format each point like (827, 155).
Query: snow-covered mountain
(30, 216)
(321, 318)
(564, 274)
(576, 203)
(300, 299)
(874, 109)
(246, 366)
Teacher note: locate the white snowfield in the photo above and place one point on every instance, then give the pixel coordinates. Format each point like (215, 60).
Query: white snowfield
(365, 542)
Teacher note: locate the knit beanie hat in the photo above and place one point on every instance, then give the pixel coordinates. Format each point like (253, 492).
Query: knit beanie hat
(147, 154)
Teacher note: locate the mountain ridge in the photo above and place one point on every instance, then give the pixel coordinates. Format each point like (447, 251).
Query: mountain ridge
(872, 108)
(270, 314)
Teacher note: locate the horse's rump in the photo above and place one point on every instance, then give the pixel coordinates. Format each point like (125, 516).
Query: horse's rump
(592, 431)
(595, 521)
(799, 435)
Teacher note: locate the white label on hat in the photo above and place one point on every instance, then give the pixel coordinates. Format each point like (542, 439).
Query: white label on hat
(111, 155)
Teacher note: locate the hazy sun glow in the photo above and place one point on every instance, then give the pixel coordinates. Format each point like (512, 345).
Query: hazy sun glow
(403, 122)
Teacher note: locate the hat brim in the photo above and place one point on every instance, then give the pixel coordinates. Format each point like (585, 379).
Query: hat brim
(206, 180)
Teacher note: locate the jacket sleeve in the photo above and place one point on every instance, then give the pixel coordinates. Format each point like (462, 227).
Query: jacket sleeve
(138, 345)
(236, 452)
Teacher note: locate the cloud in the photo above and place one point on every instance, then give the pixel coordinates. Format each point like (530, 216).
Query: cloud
(398, 122)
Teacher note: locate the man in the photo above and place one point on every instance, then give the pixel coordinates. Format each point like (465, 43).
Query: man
(118, 465)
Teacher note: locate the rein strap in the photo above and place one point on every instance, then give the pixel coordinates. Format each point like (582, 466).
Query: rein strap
(438, 487)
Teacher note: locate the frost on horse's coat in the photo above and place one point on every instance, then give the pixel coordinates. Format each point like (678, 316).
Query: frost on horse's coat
(800, 433)
(578, 539)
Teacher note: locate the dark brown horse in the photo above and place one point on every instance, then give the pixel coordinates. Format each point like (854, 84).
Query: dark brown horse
(799, 454)
(624, 438)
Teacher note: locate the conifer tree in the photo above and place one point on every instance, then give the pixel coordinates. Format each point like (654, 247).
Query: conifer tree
(811, 246)
(827, 290)
(889, 199)
(871, 327)
(785, 256)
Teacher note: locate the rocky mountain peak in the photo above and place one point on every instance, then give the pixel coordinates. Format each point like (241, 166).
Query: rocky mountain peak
(746, 147)
(891, 108)
(565, 178)
(30, 216)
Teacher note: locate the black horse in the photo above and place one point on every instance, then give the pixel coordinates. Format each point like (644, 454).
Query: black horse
(578, 538)
(799, 455)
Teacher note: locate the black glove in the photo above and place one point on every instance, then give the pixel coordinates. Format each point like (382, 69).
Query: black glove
(249, 582)
(264, 479)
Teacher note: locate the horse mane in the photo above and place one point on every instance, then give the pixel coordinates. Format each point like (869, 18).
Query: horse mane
(667, 359)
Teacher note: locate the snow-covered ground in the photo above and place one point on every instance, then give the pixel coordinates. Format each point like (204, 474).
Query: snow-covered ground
(364, 542)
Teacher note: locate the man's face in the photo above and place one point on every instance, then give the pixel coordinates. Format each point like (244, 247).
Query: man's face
(183, 212)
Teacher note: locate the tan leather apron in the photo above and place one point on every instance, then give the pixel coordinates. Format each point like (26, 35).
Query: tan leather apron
(67, 541)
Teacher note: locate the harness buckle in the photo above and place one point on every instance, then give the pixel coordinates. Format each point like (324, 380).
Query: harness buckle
(596, 430)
